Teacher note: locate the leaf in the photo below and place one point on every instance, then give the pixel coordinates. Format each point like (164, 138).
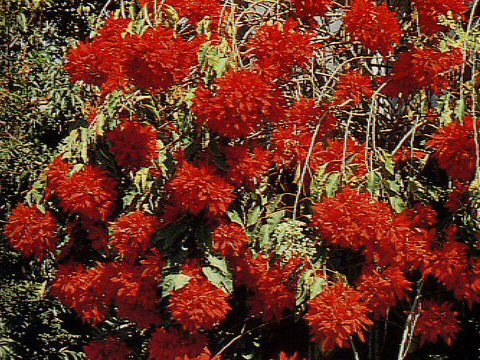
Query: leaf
(333, 183)
(220, 264)
(254, 215)
(235, 217)
(317, 287)
(174, 282)
(218, 279)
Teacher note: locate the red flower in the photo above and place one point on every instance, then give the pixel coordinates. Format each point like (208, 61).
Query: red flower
(91, 193)
(425, 68)
(97, 62)
(429, 12)
(381, 289)
(240, 106)
(173, 345)
(285, 356)
(247, 166)
(88, 291)
(374, 26)
(449, 264)
(272, 289)
(337, 314)
(158, 59)
(305, 114)
(110, 349)
(57, 173)
(136, 295)
(279, 50)
(291, 146)
(195, 10)
(311, 8)
(333, 155)
(134, 145)
(133, 234)
(353, 87)
(458, 197)
(200, 188)
(230, 240)
(199, 304)
(455, 149)
(32, 232)
(152, 266)
(352, 220)
(437, 321)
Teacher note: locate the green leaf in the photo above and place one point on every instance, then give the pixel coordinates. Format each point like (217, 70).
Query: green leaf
(174, 282)
(218, 279)
(317, 287)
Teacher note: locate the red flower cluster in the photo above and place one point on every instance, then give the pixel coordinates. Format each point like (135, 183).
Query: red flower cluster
(133, 233)
(91, 192)
(332, 155)
(279, 50)
(176, 345)
(199, 304)
(353, 87)
(272, 287)
(247, 166)
(455, 149)
(429, 12)
(96, 62)
(293, 138)
(110, 349)
(353, 220)
(242, 103)
(337, 314)
(425, 68)
(374, 26)
(158, 59)
(200, 188)
(311, 8)
(136, 295)
(32, 232)
(230, 240)
(437, 321)
(87, 291)
(195, 10)
(284, 356)
(134, 145)
(155, 60)
(381, 289)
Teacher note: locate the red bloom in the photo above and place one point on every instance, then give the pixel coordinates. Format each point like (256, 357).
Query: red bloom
(272, 289)
(200, 188)
(173, 345)
(353, 87)
(230, 240)
(242, 102)
(134, 145)
(423, 69)
(91, 193)
(437, 321)
(279, 50)
(429, 12)
(199, 304)
(158, 59)
(285, 356)
(32, 232)
(291, 146)
(458, 197)
(455, 149)
(88, 291)
(57, 173)
(305, 114)
(97, 62)
(449, 264)
(333, 155)
(247, 166)
(352, 220)
(374, 26)
(311, 8)
(110, 349)
(337, 314)
(152, 266)
(136, 295)
(381, 289)
(195, 10)
(133, 233)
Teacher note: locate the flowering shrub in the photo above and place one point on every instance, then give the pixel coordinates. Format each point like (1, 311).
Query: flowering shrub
(255, 167)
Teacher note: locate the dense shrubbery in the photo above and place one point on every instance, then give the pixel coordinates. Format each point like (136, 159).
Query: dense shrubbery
(250, 179)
